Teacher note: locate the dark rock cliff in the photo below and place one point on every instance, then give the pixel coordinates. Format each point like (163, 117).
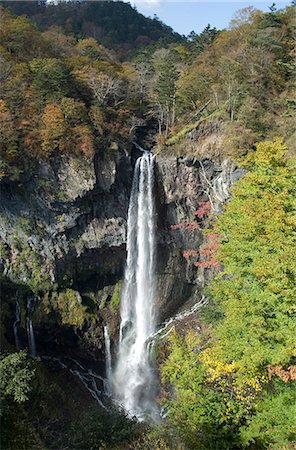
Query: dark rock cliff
(64, 231)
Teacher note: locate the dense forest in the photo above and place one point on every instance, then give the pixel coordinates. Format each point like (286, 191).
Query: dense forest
(116, 25)
(87, 79)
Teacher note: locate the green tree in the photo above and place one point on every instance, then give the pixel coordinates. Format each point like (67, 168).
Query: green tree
(274, 423)
(16, 380)
(74, 111)
(247, 367)
(195, 410)
(16, 374)
(51, 78)
(166, 76)
(256, 289)
(198, 42)
(20, 37)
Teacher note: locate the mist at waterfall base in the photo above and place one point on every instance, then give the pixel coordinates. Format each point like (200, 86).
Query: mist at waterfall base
(133, 379)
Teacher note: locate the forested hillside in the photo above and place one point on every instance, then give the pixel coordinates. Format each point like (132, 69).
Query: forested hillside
(242, 76)
(85, 85)
(117, 25)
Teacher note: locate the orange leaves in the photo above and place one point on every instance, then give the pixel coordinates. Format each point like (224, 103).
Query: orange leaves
(58, 135)
(84, 141)
(189, 253)
(53, 130)
(5, 115)
(7, 132)
(285, 375)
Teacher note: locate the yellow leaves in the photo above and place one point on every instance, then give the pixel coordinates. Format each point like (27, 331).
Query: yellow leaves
(232, 377)
(217, 368)
(90, 47)
(4, 111)
(268, 153)
(54, 127)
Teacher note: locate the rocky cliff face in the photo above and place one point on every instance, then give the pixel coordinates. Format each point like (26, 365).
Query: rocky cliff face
(63, 236)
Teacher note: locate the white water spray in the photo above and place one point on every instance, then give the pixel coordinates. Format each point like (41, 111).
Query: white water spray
(133, 380)
(16, 324)
(108, 360)
(30, 330)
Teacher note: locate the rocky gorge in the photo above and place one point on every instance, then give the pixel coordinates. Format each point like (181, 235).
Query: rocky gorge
(147, 229)
(63, 238)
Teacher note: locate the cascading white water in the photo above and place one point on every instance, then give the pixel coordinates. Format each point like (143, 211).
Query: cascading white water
(90, 379)
(30, 330)
(108, 360)
(169, 325)
(133, 380)
(16, 324)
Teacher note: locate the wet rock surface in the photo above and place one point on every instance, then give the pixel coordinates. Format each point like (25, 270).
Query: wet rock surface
(65, 228)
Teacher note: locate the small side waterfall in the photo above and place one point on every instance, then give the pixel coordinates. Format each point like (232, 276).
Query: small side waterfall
(30, 330)
(133, 380)
(169, 325)
(93, 382)
(108, 360)
(16, 323)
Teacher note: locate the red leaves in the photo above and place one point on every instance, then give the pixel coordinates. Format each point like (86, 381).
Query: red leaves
(87, 149)
(191, 226)
(285, 375)
(209, 248)
(178, 226)
(188, 226)
(203, 210)
(208, 251)
(189, 253)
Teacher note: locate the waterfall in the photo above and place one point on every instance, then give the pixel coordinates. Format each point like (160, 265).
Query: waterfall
(169, 325)
(108, 360)
(133, 380)
(30, 330)
(90, 379)
(16, 323)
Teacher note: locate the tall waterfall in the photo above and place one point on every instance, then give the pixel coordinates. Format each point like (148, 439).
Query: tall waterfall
(30, 330)
(134, 381)
(108, 360)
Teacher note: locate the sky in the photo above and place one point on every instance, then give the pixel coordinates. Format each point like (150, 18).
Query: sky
(186, 16)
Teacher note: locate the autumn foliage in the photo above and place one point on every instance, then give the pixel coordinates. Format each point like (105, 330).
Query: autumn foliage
(204, 209)
(208, 252)
(286, 375)
(238, 384)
